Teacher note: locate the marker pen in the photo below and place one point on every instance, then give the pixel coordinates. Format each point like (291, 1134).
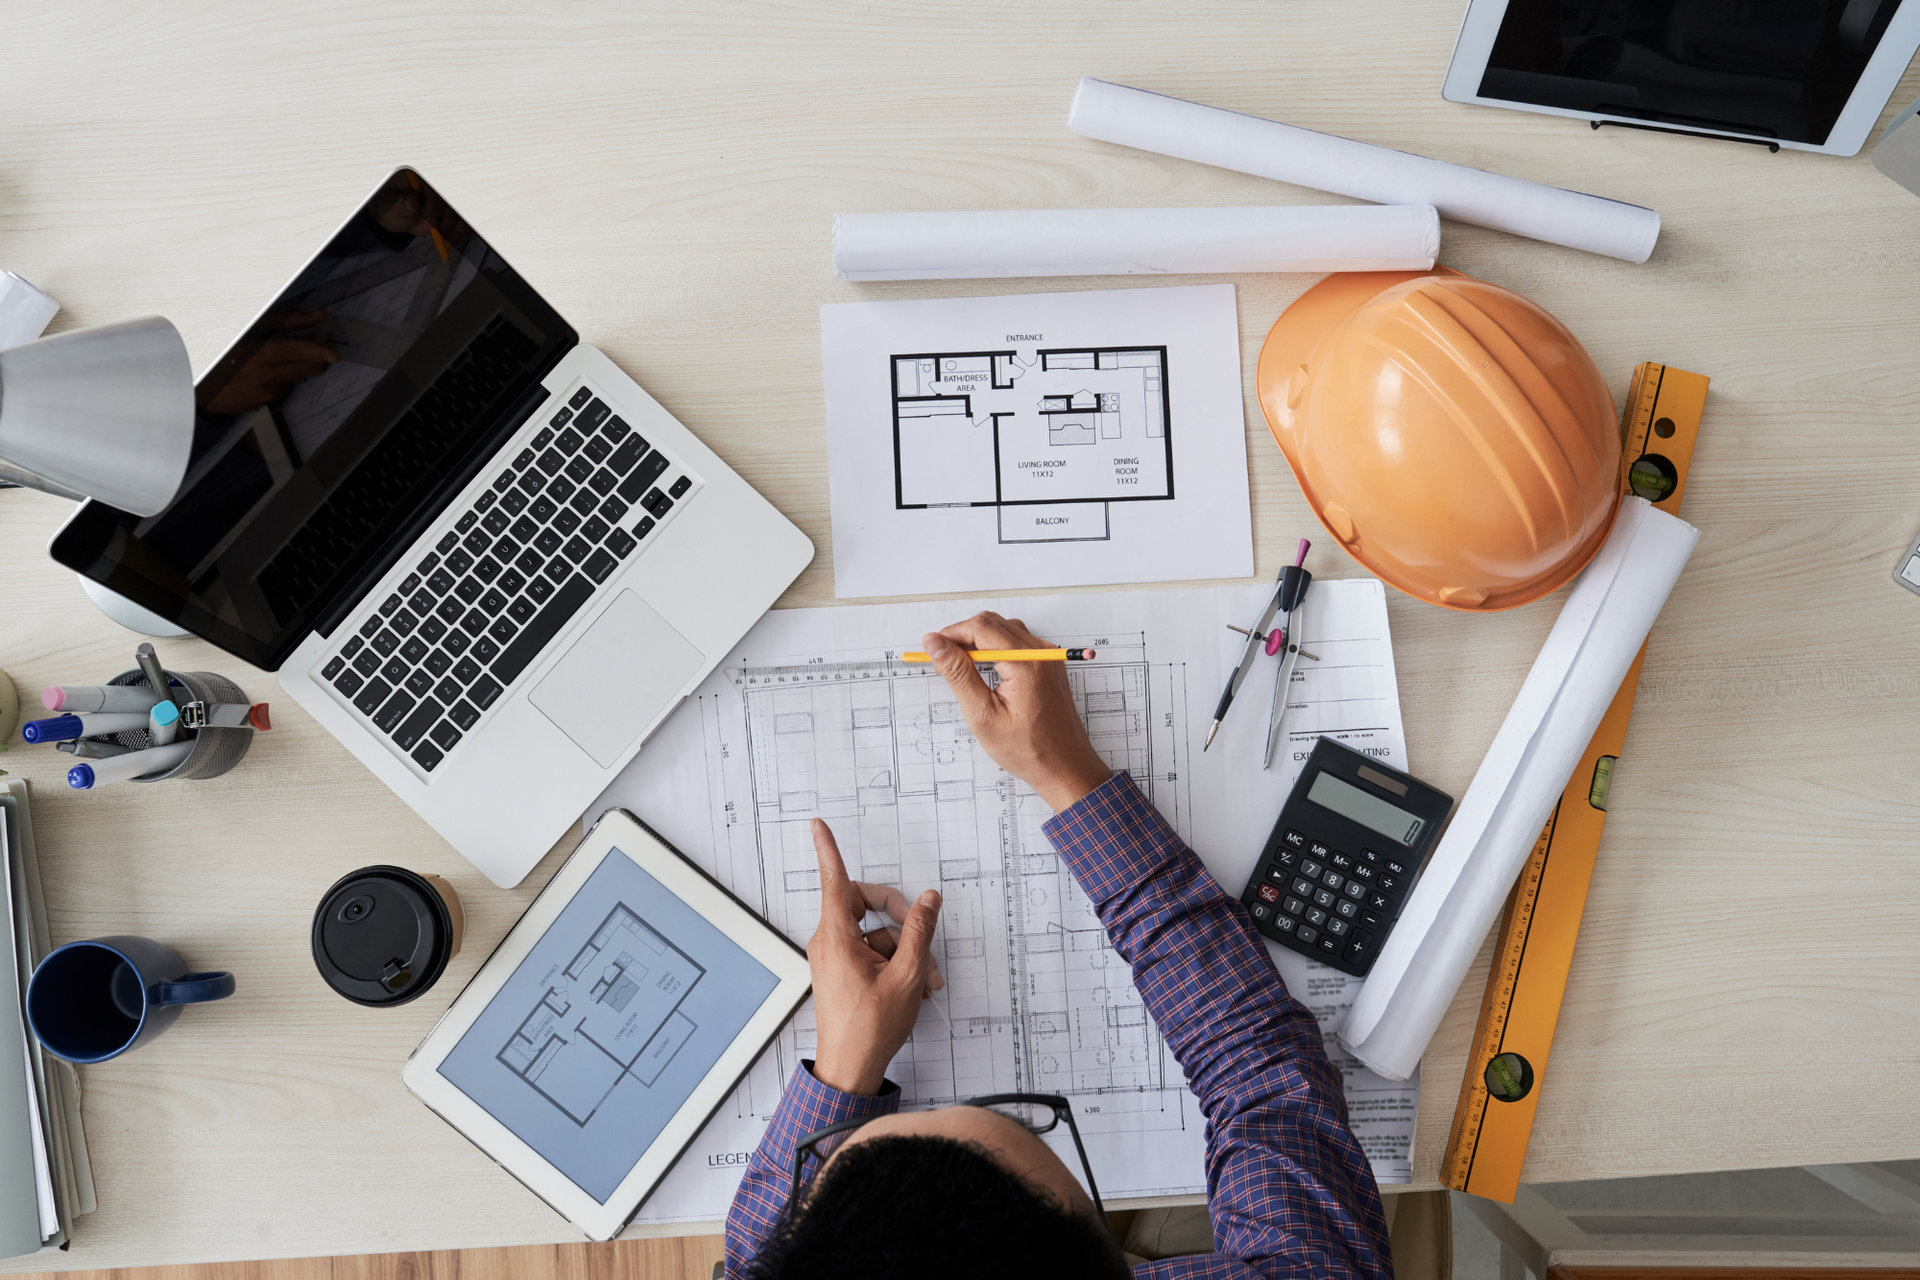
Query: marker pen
(135, 764)
(157, 676)
(82, 698)
(92, 725)
(164, 723)
(88, 749)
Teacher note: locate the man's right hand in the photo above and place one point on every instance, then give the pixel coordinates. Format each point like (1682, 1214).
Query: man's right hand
(1028, 725)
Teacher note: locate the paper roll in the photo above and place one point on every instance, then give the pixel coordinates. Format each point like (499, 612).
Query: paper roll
(1117, 242)
(1457, 899)
(1248, 144)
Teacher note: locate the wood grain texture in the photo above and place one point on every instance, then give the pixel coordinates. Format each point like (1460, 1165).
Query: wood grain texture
(666, 173)
(678, 1258)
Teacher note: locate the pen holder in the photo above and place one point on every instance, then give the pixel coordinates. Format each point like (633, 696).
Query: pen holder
(215, 749)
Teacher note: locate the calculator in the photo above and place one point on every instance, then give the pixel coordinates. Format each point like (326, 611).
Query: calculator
(1335, 871)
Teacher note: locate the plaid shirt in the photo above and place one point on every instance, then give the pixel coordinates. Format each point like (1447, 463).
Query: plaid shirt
(1288, 1188)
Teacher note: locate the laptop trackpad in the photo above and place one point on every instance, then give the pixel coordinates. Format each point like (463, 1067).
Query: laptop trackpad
(624, 671)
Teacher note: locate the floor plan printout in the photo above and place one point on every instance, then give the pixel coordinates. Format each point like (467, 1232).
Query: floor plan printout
(1036, 440)
(814, 716)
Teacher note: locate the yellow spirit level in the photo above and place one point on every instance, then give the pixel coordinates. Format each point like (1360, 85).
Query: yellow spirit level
(1508, 1060)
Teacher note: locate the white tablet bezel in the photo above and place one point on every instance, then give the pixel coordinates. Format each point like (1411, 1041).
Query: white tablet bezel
(1877, 83)
(616, 828)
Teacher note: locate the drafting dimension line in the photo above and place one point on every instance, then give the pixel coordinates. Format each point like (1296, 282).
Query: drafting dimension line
(1049, 439)
(1036, 998)
(613, 1012)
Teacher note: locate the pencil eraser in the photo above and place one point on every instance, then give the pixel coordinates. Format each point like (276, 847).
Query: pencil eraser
(80, 777)
(54, 699)
(257, 717)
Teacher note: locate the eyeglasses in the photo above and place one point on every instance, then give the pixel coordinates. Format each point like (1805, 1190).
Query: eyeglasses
(1037, 1113)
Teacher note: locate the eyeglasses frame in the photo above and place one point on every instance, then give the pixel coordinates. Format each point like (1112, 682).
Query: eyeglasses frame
(1061, 1108)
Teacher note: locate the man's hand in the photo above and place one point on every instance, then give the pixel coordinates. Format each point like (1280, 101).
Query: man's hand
(1029, 725)
(867, 988)
(281, 361)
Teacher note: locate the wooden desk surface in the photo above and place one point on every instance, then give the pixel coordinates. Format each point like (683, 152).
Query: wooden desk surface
(1745, 989)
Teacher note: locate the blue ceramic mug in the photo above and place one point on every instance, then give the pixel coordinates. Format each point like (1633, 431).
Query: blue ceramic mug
(91, 1001)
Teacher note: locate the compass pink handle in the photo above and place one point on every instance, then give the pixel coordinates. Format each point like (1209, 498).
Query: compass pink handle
(1275, 638)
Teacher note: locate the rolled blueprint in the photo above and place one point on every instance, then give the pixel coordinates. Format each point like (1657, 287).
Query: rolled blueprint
(1573, 681)
(1119, 242)
(1248, 144)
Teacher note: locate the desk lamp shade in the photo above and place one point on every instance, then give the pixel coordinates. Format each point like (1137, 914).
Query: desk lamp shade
(103, 413)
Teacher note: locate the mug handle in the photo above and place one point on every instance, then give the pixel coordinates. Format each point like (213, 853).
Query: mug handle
(193, 988)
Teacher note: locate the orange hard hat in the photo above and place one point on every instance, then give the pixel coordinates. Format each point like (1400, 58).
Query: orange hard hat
(1455, 438)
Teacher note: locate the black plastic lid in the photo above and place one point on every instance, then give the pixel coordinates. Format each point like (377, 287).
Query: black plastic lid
(382, 936)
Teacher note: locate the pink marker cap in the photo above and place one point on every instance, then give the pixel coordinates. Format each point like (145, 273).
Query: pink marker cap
(54, 698)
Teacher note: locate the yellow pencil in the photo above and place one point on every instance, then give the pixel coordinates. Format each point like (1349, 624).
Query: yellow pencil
(1012, 655)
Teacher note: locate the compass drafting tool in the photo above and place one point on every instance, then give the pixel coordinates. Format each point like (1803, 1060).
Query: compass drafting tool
(1285, 640)
(1287, 592)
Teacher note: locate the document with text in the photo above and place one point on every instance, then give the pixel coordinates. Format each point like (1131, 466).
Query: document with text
(1036, 440)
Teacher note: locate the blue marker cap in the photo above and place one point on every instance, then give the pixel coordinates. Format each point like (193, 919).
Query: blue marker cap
(55, 729)
(164, 713)
(80, 777)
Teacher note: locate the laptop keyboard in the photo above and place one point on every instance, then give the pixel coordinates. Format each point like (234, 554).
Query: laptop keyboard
(504, 578)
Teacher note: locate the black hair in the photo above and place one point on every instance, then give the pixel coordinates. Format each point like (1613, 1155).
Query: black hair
(933, 1208)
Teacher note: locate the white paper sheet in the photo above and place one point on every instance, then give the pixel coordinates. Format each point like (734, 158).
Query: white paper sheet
(1457, 898)
(808, 717)
(1119, 242)
(1268, 149)
(25, 312)
(1044, 439)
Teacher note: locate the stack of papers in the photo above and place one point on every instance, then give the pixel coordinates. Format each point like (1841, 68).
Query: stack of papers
(45, 1180)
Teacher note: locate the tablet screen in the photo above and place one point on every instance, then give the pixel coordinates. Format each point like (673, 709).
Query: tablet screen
(608, 1026)
(1782, 69)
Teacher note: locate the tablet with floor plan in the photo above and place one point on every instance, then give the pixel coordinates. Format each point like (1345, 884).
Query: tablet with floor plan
(614, 1018)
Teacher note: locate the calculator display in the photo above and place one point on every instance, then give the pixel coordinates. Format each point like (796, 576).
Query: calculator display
(1369, 811)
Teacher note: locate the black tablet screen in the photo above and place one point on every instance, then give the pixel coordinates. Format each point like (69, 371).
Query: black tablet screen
(373, 386)
(1777, 69)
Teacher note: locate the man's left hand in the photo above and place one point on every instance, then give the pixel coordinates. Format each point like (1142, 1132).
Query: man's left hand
(867, 987)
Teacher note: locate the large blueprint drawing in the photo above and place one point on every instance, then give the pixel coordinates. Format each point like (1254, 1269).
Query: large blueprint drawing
(813, 715)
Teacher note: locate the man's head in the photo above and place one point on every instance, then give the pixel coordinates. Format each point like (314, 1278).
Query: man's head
(957, 1192)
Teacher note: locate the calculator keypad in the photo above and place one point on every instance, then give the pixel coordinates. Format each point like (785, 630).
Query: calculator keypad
(1334, 903)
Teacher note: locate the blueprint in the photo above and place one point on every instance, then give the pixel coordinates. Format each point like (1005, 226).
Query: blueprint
(1036, 440)
(613, 1011)
(813, 715)
(1050, 441)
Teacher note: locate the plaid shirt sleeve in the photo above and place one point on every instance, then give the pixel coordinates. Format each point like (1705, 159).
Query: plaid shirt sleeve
(1288, 1188)
(807, 1105)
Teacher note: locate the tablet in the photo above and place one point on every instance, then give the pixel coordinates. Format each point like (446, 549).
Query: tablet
(1810, 75)
(608, 1026)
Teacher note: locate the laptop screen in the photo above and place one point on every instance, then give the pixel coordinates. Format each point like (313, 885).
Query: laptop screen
(334, 430)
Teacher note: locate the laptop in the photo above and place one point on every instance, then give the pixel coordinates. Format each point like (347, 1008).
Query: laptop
(474, 549)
